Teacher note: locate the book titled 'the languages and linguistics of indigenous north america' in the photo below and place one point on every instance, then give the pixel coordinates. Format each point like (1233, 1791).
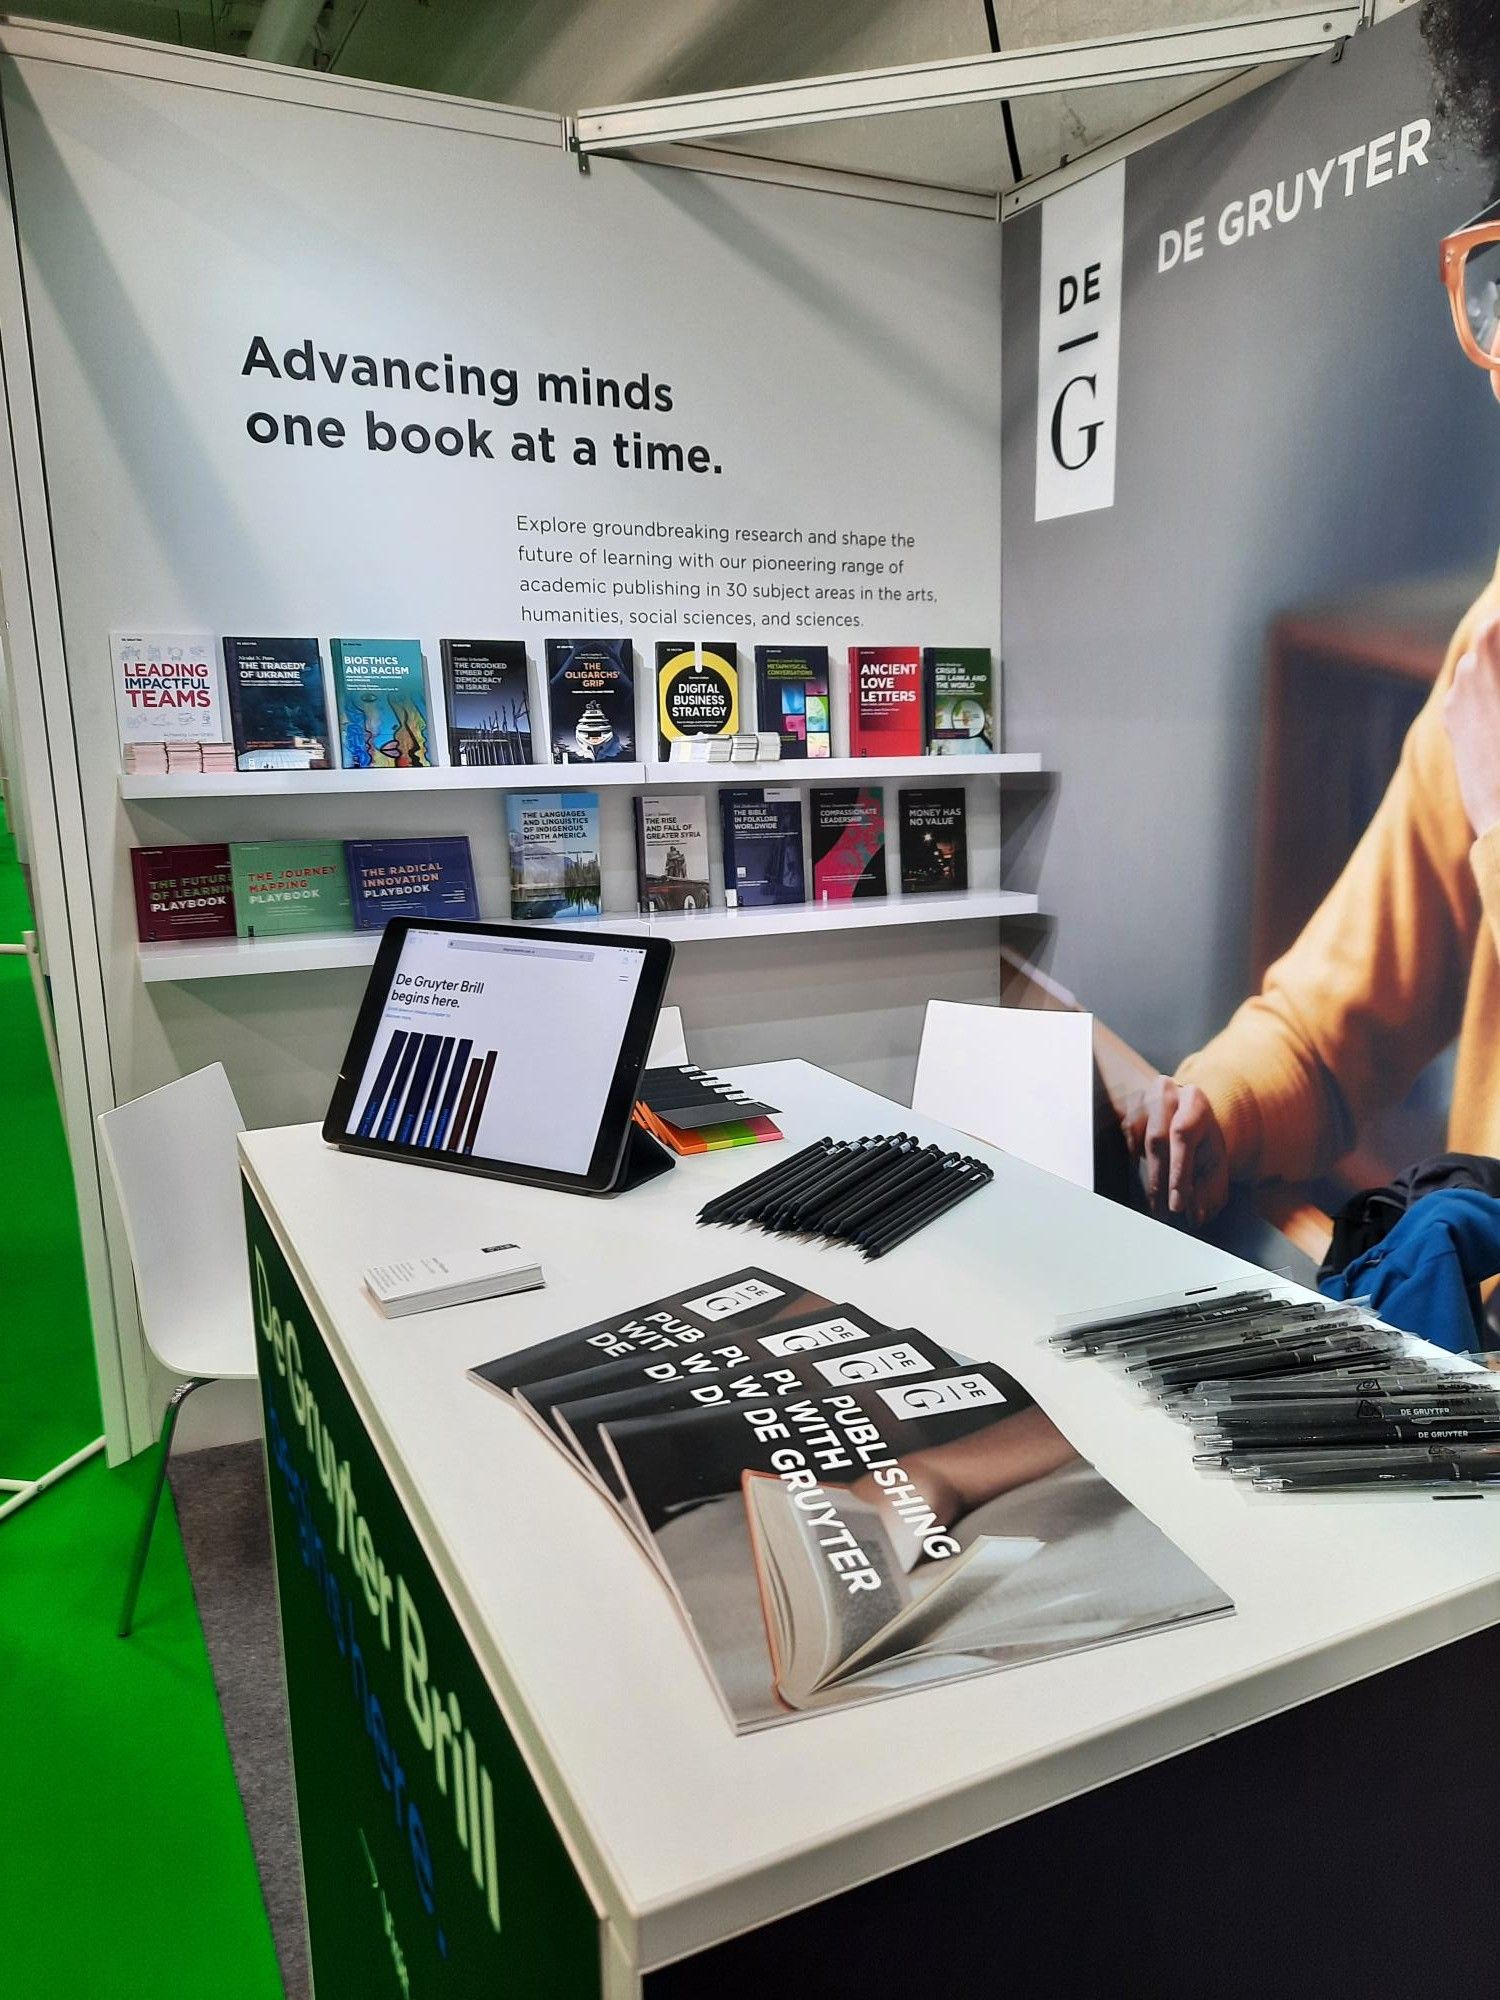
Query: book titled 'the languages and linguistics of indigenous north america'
(182, 892)
(887, 715)
(839, 1509)
(553, 838)
(286, 887)
(382, 700)
(848, 842)
(671, 849)
(277, 704)
(411, 878)
(591, 700)
(761, 826)
(488, 701)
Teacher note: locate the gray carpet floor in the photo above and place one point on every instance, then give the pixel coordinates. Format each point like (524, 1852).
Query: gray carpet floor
(220, 1495)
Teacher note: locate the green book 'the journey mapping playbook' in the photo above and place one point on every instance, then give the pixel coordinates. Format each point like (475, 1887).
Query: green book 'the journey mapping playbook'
(285, 887)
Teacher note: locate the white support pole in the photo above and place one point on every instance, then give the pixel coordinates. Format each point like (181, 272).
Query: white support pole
(26, 1490)
(1196, 51)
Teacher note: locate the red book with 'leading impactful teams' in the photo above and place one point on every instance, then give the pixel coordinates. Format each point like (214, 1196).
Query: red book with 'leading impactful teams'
(886, 709)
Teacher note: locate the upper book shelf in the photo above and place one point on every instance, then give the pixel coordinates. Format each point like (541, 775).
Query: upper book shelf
(572, 777)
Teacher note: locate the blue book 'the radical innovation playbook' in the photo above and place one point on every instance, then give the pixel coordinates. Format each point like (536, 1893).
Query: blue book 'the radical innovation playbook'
(411, 878)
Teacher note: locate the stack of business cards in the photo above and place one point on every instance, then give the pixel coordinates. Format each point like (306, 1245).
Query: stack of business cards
(451, 1278)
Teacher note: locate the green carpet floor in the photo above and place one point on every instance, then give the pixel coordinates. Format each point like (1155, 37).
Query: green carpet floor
(125, 1868)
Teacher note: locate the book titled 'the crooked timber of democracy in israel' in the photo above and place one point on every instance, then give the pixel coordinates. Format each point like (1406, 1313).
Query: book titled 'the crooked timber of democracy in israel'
(486, 693)
(381, 686)
(411, 878)
(277, 704)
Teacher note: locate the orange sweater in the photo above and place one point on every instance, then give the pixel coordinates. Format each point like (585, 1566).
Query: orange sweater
(1403, 954)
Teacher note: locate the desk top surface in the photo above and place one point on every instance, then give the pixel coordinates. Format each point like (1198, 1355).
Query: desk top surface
(685, 1832)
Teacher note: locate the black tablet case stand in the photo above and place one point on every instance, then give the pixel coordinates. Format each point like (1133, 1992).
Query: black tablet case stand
(642, 1160)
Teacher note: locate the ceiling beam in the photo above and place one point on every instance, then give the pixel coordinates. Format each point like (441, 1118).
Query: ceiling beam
(1210, 46)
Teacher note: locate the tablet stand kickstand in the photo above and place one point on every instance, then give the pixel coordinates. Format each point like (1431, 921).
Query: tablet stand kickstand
(642, 1160)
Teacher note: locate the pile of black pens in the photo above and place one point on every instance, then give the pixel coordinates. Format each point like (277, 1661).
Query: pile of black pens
(1298, 1394)
(873, 1193)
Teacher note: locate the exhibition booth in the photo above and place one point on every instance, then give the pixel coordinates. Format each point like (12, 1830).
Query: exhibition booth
(821, 603)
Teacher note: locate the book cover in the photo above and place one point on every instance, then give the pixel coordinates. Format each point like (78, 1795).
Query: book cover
(671, 850)
(934, 840)
(487, 695)
(277, 704)
(848, 843)
(182, 892)
(410, 878)
(879, 1533)
(591, 700)
(960, 700)
(762, 829)
(166, 688)
(697, 691)
(381, 687)
(791, 698)
(681, 1320)
(553, 839)
(284, 887)
(887, 716)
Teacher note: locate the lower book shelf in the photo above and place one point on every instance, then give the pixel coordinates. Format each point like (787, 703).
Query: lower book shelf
(231, 958)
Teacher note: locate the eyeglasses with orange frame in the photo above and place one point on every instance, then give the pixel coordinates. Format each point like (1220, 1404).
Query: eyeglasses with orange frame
(1454, 253)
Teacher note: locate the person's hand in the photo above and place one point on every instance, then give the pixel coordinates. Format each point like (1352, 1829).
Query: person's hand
(1171, 1128)
(1471, 715)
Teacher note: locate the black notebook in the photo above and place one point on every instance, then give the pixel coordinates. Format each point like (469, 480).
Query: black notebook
(688, 1097)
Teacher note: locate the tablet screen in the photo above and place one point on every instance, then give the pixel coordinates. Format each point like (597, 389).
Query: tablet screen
(497, 1048)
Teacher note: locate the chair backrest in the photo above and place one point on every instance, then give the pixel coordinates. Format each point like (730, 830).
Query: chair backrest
(1021, 1078)
(669, 1044)
(171, 1156)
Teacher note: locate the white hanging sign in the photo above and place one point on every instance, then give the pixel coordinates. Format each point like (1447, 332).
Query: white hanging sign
(1078, 360)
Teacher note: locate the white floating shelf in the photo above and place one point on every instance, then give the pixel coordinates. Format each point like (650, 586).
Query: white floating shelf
(230, 958)
(573, 777)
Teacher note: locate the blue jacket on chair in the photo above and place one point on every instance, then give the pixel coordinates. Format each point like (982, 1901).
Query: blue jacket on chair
(1424, 1277)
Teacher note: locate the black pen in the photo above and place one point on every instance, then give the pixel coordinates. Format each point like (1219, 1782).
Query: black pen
(898, 1187)
(711, 1210)
(957, 1183)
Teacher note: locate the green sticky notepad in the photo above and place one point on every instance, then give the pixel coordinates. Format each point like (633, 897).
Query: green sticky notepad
(286, 887)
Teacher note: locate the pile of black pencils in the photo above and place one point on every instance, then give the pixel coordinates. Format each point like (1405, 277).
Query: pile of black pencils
(1301, 1394)
(872, 1193)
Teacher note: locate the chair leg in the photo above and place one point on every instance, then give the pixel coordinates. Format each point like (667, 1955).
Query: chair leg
(143, 1541)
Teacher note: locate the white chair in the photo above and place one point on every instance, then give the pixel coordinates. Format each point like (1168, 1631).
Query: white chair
(669, 1044)
(172, 1159)
(1021, 1078)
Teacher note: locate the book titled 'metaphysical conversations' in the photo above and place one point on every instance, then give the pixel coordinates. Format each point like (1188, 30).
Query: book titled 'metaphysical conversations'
(762, 833)
(591, 700)
(960, 700)
(934, 840)
(382, 698)
(671, 847)
(488, 701)
(553, 839)
(697, 691)
(284, 887)
(887, 714)
(791, 698)
(848, 842)
(840, 1510)
(182, 892)
(277, 704)
(411, 878)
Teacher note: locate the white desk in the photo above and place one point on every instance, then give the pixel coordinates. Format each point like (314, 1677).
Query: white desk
(683, 1834)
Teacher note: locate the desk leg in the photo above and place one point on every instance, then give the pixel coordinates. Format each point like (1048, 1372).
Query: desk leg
(431, 1864)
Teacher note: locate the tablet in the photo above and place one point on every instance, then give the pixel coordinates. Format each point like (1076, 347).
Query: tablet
(503, 1049)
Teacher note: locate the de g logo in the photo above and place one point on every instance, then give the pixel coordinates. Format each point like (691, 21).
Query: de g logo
(1074, 440)
(1078, 353)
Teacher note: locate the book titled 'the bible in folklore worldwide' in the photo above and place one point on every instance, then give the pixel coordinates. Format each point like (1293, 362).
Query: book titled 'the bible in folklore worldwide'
(382, 700)
(286, 887)
(277, 704)
(697, 691)
(182, 892)
(488, 701)
(762, 832)
(553, 838)
(591, 700)
(887, 714)
(411, 878)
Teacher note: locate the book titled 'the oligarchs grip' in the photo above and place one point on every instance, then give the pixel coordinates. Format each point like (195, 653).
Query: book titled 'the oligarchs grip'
(791, 698)
(887, 715)
(488, 701)
(934, 840)
(591, 700)
(411, 878)
(960, 700)
(381, 687)
(848, 842)
(277, 704)
(283, 888)
(553, 838)
(182, 892)
(762, 829)
(671, 850)
(697, 691)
